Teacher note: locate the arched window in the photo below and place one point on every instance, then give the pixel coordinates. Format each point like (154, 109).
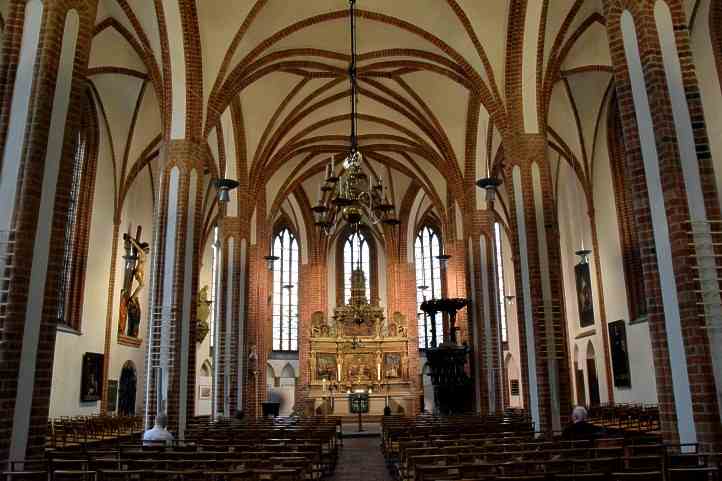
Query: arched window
(77, 220)
(428, 274)
(500, 280)
(285, 292)
(356, 254)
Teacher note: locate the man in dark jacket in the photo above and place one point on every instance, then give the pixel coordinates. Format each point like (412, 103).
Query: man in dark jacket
(579, 428)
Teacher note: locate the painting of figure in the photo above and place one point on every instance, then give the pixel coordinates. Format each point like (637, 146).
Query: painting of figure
(326, 366)
(584, 295)
(91, 381)
(392, 365)
(620, 354)
(360, 367)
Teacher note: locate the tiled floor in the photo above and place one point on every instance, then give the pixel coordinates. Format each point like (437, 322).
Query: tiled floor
(361, 460)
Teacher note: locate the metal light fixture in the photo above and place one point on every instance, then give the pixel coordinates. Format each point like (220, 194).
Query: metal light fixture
(583, 255)
(270, 259)
(224, 187)
(490, 185)
(509, 299)
(351, 194)
(443, 260)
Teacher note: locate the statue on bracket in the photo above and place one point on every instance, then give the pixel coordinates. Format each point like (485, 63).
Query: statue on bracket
(203, 310)
(136, 252)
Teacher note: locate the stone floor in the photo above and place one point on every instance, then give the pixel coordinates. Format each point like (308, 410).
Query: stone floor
(360, 459)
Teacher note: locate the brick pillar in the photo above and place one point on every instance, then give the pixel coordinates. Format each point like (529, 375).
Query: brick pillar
(401, 297)
(312, 297)
(46, 51)
(676, 211)
(258, 320)
(174, 284)
(230, 326)
(483, 313)
(542, 329)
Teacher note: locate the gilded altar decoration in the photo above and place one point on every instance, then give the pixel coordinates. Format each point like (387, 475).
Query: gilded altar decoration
(356, 349)
(136, 253)
(203, 311)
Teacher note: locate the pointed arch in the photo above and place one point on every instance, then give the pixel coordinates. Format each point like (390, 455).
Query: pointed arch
(285, 290)
(427, 247)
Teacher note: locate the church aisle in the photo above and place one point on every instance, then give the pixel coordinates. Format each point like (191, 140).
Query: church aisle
(361, 460)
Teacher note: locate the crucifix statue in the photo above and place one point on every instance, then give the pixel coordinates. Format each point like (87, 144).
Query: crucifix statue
(135, 256)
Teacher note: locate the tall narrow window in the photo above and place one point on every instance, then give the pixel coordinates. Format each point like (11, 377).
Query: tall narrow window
(428, 281)
(356, 254)
(500, 280)
(77, 221)
(285, 292)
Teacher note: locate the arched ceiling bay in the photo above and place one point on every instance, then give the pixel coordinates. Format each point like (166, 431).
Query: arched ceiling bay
(273, 92)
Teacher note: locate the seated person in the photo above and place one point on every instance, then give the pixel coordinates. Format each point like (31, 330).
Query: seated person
(580, 429)
(238, 417)
(159, 435)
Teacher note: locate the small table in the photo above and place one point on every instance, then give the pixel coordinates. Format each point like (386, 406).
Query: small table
(271, 408)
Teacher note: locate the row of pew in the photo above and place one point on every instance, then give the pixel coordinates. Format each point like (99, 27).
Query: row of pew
(501, 449)
(251, 450)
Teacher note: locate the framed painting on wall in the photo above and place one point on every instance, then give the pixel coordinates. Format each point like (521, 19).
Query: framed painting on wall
(620, 354)
(91, 379)
(584, 294)
(204, 392)
(326, 366)
(392, 365)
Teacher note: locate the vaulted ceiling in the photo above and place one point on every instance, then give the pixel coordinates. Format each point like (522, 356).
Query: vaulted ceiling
(265, 83)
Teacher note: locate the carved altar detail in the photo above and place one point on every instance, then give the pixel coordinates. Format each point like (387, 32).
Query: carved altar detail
(358, 350)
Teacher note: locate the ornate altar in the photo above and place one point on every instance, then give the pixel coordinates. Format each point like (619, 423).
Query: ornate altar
(358, 350)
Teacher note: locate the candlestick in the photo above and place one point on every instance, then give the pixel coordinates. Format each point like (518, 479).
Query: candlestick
(378, 372)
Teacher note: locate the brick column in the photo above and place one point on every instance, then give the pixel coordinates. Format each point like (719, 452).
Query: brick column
(483, 313)
(676, 211)
(542, 328)
(312, 297)
(230, 326)
(401, 297)
(170, 367)
(258, 320)
(46, 51)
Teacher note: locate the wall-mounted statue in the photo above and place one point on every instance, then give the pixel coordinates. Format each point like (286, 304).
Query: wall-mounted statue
(135, 256)
(203, 311)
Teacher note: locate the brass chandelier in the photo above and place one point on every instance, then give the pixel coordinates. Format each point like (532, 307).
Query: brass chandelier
(350, 195)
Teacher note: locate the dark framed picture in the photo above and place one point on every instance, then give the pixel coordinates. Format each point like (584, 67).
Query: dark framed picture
(584, 294)
(112, 395)
(326, 366)
(204, 392)
(620, 354)
(91, 380)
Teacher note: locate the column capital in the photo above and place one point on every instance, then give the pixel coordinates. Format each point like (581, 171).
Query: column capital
(186, 154)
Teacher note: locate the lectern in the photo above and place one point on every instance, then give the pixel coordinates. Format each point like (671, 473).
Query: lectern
(359, 404)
